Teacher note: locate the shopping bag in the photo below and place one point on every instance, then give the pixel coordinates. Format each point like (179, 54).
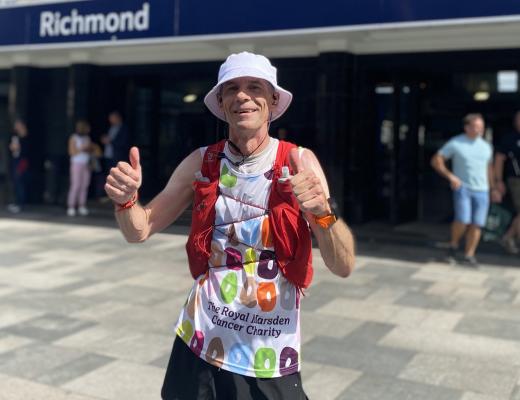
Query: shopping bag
(497, 222)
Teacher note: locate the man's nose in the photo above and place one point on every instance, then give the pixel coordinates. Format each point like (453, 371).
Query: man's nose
(243, 95)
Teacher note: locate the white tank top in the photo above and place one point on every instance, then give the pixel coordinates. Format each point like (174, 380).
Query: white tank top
(82, 157)
(243, 315)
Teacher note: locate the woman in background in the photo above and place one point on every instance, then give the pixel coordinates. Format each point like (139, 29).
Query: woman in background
(79, 152)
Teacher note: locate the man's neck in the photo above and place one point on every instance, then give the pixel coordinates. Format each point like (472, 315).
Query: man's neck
(248, 143)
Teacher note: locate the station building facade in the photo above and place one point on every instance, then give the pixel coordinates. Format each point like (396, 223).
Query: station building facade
(378, 85)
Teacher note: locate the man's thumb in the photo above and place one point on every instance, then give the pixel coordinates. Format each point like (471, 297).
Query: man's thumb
(134, 158)
(295, 160)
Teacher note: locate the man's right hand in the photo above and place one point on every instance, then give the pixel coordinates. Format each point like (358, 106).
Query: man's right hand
(455, 182)
(125, 179)
(501, 187)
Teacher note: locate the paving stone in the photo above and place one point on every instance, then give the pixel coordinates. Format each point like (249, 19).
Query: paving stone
(138, 295)
(471, 293)
(34, 280)
(10, 315)
(36, 359)
(387, 295)
(313, 323)
(314, 301)
(44, 300)
(73, 369)
(369, 332)
(120, 380)
(478, 396)
(502, 295)
(11, 342)
(21, 389)
(382, 269)
(462, 373)
(119, 343)
(365, 357)
(342, 289)
(15, 259)
(441, 320)
(371, 311)
(327, 383)
(75, 285)
(421, 300)
(457, 344)
(493, 327)
(48, 327)
(161, 362)
(369, 387)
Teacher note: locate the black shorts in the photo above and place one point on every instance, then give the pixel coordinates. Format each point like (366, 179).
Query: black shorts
(189, 377)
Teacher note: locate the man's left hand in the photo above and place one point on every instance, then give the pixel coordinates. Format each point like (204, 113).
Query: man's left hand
(307, 187)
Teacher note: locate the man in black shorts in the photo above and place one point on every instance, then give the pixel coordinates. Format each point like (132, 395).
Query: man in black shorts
(507, 175)
(255, 201)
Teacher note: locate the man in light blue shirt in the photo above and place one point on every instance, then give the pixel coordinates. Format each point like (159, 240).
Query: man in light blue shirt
(471, 175)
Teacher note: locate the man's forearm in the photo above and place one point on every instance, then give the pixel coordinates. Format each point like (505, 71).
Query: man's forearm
(441, 169)
(336, 247)
(133, 223)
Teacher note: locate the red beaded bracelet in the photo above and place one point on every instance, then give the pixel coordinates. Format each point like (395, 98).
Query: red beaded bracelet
(129, 204)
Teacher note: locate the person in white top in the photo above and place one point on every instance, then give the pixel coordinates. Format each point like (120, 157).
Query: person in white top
(79, 147)
(238, 334)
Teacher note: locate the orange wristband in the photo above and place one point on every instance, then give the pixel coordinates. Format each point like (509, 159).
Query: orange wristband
(129, 204)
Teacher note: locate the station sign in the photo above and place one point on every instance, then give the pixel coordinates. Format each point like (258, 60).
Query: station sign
(103, 20)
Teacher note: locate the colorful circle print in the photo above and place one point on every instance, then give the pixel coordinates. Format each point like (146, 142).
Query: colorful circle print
(239, 358)
(197, 342)
(228, 288)
(265, 362)
(288, 361)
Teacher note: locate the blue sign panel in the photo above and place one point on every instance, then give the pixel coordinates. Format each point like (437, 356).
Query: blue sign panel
(102, 20)
(86, 21)
(230, 16)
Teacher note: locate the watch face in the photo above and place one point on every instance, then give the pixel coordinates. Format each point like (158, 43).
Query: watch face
(333, 206)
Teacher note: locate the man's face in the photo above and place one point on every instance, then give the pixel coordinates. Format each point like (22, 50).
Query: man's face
(246, 102)
(114, 119)
(19, 128)
(475, 128)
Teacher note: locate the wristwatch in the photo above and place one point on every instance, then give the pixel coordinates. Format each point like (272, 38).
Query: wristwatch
(326, 221)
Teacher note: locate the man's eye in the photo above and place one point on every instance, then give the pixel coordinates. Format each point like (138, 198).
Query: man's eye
(230, 89)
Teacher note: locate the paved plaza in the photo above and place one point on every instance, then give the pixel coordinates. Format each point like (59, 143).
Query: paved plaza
(84, 316)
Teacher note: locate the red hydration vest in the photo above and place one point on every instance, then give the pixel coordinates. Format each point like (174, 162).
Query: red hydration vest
(290, 232)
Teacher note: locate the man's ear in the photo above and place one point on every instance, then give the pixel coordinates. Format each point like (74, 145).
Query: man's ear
(219, 100)
(276, 97)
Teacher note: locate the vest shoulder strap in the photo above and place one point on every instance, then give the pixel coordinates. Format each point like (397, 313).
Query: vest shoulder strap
(211, 161)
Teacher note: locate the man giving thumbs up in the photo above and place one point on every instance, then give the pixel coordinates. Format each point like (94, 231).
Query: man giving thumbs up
(254, 202)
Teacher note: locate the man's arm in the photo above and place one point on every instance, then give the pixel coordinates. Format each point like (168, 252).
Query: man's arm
(500, 159)
(138, 222)
(310, 187)
(439, 165)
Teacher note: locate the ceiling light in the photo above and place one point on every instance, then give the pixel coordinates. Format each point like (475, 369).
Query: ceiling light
(189, 98)
(481, 96)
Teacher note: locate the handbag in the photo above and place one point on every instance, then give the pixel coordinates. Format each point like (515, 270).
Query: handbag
(497, 222)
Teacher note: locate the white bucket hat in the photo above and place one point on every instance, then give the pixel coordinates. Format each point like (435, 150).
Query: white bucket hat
(247, 64)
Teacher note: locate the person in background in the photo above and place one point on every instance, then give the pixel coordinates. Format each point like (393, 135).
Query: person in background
(507, 175)
(79, 147)
(115, 141)
(470, 180)
(19, 165)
